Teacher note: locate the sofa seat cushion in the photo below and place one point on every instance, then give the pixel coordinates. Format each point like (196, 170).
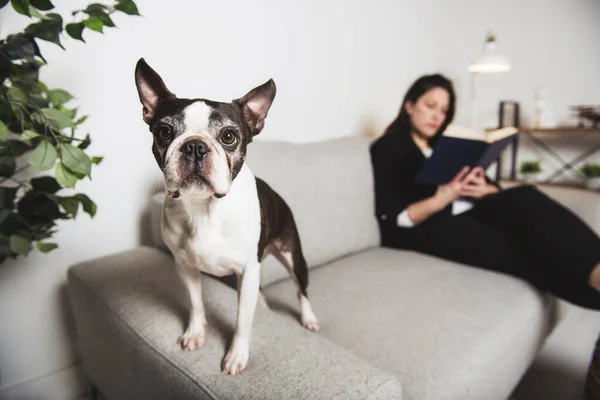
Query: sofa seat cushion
(446, 330)
(130, 308)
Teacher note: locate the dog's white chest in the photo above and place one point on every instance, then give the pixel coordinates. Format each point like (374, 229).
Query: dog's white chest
(219, 237)
(216, 247)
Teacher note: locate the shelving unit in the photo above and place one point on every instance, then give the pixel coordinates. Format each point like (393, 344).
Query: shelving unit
(535, 136)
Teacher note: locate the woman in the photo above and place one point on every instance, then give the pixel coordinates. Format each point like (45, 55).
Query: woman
(472, 220)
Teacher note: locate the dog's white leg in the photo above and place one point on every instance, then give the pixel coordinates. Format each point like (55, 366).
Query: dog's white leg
(239, 351)
(193, 336)
(309, 319)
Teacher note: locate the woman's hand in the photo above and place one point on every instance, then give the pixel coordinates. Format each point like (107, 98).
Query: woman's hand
(475, 185)
(451, 191)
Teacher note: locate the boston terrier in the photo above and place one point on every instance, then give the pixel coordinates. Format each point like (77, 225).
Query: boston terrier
(219, 218)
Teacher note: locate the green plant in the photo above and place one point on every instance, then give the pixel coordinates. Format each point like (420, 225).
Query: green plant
(528, 167)
(591, 170)
(38, 129)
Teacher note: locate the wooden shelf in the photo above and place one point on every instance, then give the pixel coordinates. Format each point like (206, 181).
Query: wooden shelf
(572, 185)
(559, 129)
(563, 129)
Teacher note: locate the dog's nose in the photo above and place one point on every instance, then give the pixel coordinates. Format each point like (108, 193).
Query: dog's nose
(195, 148)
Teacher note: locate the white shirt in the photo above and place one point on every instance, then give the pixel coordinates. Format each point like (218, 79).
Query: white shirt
(458, 206)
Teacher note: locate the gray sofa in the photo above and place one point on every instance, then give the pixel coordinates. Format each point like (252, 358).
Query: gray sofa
(394, 324)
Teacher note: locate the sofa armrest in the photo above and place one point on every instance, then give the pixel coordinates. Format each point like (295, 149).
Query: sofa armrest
(130, 308)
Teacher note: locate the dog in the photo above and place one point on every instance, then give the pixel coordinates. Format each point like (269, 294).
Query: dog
(218, 218)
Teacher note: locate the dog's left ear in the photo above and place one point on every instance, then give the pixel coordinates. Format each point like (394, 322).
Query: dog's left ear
(151, 89)
(255, 105)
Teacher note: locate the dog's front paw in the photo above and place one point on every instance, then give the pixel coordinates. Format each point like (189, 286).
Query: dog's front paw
(191, 339)
(236, 358)
(308, 317)
(311, 324)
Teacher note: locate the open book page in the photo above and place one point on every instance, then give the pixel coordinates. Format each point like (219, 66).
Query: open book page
(501, 133)
(464, 132)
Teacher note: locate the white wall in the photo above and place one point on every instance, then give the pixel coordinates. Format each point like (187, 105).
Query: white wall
(341, 68)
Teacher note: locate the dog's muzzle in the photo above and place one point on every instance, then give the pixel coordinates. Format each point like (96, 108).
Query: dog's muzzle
(194, 150)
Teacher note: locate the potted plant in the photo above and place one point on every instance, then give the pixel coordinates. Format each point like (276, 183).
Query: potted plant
(41, 154)
(592, 173)
(529, 170)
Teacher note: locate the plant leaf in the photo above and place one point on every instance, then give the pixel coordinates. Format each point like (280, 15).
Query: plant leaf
(106, 20)
(59, 97)
(7, 197)
(19, 244)
(70, 204)
(127, 6)
(35, 13)
(39, 100)
(43, 5)
(7, 165)
(48, 29)
(97, 160)
(69, 113)
(28, 135)
(43, 157)
(95, 8)
(42, 86)
(75, 159)
(20, 47)
(61, 119)
(75, 30)
(20, 6)
(37, 208)
(46, 184)
(5, 67)
(10, 222)
(81, 120)
(14, 148)
(86, 142)
(64, 176)
(46, 247)
(3, 131)
(17, 94)
(4, 248)
(94, 23)
(88, 205)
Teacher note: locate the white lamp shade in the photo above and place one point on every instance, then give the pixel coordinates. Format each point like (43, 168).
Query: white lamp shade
(490, 60)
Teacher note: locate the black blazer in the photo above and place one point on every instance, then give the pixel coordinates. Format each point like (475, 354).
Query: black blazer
(396, 161)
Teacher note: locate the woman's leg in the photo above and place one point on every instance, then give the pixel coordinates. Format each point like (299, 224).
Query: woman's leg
(564, 251)
(463, 239)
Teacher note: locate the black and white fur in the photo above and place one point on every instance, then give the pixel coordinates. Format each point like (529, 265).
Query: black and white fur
(218, 217)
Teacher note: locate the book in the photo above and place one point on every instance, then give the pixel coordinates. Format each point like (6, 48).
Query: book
(461, 146)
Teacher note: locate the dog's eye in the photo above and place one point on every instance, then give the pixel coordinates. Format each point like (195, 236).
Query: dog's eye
(228, 137)
(164, 133)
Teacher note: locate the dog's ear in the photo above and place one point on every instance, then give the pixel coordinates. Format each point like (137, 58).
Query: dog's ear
(151, 89)
(255, 105)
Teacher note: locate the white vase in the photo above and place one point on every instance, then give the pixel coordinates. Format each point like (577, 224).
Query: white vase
(543, 112)
(593, 183)
(529, 177)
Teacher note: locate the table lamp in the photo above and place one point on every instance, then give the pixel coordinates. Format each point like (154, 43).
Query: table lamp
(488, 61)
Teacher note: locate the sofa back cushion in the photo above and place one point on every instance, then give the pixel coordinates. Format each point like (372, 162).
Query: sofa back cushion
(329, 187)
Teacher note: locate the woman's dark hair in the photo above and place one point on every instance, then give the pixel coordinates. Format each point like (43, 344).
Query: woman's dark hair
(418, 88)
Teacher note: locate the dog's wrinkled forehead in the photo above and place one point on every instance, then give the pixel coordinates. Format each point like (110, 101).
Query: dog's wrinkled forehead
(198, 116)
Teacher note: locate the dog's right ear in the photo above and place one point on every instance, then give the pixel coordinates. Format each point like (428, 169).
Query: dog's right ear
(151, 89)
